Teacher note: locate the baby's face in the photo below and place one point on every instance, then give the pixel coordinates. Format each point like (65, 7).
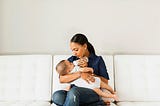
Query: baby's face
(69, 65)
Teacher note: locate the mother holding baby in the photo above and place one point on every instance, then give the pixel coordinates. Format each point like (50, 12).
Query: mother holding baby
(78, 96)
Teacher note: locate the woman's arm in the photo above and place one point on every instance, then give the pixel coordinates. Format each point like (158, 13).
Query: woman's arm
(88, 77)
(84, 75)
(104, 79)
(69, 77)
(86, 69)
(103, 69)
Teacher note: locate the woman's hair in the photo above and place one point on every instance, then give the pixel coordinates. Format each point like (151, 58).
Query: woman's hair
(82, 39)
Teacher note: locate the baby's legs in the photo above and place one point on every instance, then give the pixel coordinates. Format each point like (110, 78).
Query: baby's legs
(103, 94)
(106, 86)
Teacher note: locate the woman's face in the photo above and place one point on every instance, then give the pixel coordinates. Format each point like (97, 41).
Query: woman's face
(77, 49)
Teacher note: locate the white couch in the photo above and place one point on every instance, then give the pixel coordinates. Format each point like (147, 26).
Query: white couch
(29, 80)
(25, 80)
(137, 79)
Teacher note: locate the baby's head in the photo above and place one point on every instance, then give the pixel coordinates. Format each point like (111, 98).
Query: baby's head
(63, 67)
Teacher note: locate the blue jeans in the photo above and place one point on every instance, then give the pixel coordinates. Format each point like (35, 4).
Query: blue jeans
(77, 96)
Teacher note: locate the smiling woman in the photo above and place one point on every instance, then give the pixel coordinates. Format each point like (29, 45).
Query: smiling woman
(78, 96)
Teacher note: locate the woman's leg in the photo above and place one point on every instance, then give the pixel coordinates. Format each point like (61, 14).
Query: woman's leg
(81, 96)
(59, 97)
(99, 103)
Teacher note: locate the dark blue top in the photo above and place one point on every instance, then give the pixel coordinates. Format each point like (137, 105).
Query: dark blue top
(97, 63)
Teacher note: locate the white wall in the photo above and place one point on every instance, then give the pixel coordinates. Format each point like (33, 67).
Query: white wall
(112, 26)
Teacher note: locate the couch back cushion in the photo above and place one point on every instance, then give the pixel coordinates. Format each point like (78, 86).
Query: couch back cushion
(137, 77)
(58, 86)
(25, 77)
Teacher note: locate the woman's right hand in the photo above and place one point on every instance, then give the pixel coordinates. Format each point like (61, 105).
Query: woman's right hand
(88, 77)
(82, 63)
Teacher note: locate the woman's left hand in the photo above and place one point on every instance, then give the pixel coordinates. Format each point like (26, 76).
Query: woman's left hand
(88, 77)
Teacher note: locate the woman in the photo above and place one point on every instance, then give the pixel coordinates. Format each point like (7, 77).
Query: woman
(78, 96)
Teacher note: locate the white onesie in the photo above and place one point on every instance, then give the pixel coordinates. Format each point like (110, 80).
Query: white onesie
(82, 83)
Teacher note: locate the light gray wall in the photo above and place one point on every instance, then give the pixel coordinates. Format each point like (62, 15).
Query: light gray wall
(112, 26)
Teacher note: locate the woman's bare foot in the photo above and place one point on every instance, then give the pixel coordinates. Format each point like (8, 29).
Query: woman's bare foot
(115, 97)
(107, 102)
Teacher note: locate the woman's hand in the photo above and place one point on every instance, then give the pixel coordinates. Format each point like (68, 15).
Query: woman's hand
(86, 69)
(82, 63)
(88, 77)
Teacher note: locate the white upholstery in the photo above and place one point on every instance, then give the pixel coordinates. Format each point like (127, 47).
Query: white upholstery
(57, 86)
(112, 104)
(138, 104)
(137, 78)
(25, 78)
(25, 103)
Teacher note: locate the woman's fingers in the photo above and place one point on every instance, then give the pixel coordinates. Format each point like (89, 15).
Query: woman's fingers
(87, 77)
(91, 78)
(82, 63)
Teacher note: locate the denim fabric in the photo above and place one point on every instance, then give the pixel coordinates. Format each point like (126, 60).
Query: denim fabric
(77, 96)
(59, 97)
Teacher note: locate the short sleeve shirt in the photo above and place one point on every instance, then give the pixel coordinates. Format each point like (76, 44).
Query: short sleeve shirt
(97, 63)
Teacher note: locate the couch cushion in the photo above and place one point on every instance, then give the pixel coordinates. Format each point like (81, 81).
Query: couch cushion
(111, 104)
(25, 77)
(137, 77)
(138, 104)
(24, 103)
(57, 86)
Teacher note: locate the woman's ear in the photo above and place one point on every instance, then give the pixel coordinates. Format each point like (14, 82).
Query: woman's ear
(85, 46)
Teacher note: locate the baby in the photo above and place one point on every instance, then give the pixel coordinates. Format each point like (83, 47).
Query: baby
(65, 67)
